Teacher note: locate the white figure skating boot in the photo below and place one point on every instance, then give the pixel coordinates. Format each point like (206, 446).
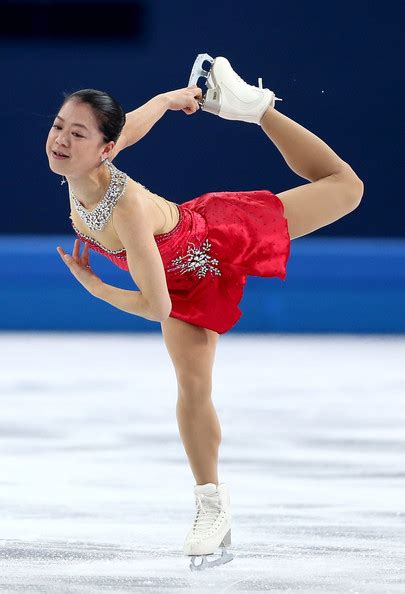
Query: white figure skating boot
(211, 528)
(228, 95)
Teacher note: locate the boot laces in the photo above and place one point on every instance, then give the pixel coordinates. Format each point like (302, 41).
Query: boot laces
(239, 79)
(208, 510)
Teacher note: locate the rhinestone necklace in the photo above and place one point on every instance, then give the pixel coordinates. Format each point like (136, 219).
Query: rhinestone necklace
(97, 218)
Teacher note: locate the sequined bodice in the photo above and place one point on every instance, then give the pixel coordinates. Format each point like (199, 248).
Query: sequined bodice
(97, 218)
(119, 257)
(184, 249)
(159, 238)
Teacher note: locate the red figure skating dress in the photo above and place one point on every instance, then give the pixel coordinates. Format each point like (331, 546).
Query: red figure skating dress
(220, 238)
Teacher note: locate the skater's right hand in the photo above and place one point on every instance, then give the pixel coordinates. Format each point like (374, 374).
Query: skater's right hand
(184, 99)
(79, 266)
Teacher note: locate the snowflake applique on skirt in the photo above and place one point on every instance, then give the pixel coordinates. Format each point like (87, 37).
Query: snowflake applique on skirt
(196, 259)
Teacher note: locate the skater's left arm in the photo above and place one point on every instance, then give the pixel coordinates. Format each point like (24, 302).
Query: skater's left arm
(141, 120)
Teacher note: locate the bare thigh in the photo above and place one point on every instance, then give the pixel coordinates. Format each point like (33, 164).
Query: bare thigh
(317, 204)
(191, 349)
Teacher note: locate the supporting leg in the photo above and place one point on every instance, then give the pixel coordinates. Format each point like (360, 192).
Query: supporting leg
(192, 351)
(200, 431)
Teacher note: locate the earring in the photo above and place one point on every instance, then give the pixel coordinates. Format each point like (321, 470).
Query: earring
(63, 180)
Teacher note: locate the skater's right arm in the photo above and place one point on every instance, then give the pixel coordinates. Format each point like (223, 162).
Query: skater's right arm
(141, 120)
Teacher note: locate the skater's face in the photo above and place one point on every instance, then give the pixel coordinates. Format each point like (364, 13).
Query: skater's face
(75, 133)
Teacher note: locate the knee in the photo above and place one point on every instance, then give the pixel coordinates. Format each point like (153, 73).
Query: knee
(354, 187)
(357, 192)
(194, 389)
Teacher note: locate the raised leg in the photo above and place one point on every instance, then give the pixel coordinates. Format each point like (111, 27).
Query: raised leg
(335, 190)
(192, 351)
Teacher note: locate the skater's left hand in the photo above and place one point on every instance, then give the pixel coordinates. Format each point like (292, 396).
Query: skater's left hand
(80, 268)
(184, 99)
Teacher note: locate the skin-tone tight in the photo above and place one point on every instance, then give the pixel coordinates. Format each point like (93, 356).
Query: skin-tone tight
(334, 191)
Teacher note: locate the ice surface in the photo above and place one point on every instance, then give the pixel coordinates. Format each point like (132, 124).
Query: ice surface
(96, 494)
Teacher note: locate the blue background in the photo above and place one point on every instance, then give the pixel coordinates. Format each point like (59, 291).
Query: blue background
(337, 66)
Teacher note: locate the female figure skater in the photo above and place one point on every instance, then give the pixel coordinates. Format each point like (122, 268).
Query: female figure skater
(190, 260)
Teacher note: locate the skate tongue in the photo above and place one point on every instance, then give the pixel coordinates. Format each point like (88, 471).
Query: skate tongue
(207, 489)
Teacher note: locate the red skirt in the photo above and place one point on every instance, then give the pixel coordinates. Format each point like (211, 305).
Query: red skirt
(220, 239)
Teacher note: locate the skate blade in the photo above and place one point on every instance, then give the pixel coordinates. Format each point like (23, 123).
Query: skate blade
(197, 70)
(206, 564)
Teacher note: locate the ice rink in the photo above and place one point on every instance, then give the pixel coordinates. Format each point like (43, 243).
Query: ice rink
(96, 491)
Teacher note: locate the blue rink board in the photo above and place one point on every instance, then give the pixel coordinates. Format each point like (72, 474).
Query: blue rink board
(332, 285)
